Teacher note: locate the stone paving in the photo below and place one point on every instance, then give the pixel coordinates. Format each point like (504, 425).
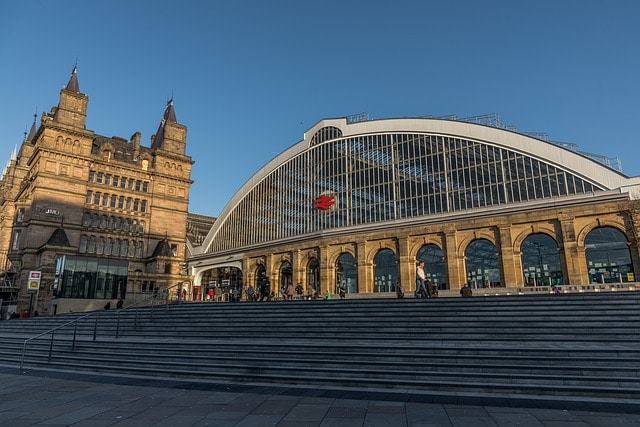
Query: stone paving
(50, 398)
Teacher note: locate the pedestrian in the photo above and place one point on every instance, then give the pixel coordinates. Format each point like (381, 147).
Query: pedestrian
(289, 292)
(466, 291)
(300, 291)
(251, 293)
(210, 294)
(342, 291)
(555, 290)
(400, 290)
(421, 290)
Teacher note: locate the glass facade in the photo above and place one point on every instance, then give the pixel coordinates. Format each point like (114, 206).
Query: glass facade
(88, 277)
(608, 256)
(350, 181)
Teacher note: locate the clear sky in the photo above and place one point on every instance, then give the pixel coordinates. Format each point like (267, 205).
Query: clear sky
(248, 77)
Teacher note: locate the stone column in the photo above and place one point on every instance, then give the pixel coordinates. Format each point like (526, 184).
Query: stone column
(456, 268)
(406, 265)
(326, 281)
(511, 268)
(365, 273)
(576, 266)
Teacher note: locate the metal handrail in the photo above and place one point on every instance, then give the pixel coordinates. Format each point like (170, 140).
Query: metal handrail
(136, 305)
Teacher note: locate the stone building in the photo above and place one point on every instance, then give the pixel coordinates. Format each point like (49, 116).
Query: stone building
(86, 219)
(359, 202)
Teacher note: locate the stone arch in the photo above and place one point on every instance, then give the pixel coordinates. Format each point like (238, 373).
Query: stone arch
(582, 234)
(386, 271)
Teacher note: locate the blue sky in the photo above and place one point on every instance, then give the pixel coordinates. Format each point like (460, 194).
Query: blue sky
(248, 77)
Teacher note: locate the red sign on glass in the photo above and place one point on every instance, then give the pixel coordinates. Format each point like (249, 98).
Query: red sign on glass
(324, 202)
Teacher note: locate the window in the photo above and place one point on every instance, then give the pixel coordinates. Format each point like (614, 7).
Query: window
(143, 206)
(20, 215)
(106, 155)
(123, 182)
(83, 244)
(92, 245)
(114, 200)
(131, 182)
(96, 198)
(138, 185)
(174, 249)
(116, 179)
(99, 177)
(136, 205)
(128, 203)
(86, 219)
(139, 248)
(107, 179)
(95, 220)
(145, 187)
(92, 175)
(141, 226)
(15, 245)
(89, 196)
(105, 200)
(121, 202)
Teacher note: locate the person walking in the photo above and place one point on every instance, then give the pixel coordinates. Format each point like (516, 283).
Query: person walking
(400, 290)
(300, 291)
(421, 290)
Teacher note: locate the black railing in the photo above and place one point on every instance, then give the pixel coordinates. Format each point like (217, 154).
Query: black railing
(160, 298)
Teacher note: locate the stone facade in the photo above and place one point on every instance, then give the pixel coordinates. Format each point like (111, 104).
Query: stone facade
(568, 225)
(69, 191)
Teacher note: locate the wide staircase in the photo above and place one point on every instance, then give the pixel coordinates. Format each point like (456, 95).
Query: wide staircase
(569, 350)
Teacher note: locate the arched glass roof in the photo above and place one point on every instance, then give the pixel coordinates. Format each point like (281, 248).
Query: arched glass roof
(344, 175)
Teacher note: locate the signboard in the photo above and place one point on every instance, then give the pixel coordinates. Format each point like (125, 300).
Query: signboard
(34, 281)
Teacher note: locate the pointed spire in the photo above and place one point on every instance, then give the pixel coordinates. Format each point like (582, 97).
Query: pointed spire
(170, 113)
(32, 131)
(73, 80)
(169, 116)
(14, 154)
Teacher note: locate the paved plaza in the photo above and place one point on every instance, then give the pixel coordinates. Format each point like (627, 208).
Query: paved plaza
(49, 398)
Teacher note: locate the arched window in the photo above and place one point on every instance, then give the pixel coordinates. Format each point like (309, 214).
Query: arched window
(541, 261)
(347, 273)
(95, 220)
(116, 247)
(107, 246)
(483, 267)
(608, 256)
(106, 155)
(132, 249)
(286, 275)
(124, 248)
(91, 248)
(385, 271)
(140, 251)
(100, 247)
(83, 244)
(313, 275)
(86, 219)
(435, 267)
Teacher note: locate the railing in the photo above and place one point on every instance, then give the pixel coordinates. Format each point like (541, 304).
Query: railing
(158, 298)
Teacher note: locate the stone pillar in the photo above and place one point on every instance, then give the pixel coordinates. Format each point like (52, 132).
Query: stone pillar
(511, 268)
(327, 283)
(633, 236)
(365, 271)
(576, 266)
(456, 268)
(406, 265)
